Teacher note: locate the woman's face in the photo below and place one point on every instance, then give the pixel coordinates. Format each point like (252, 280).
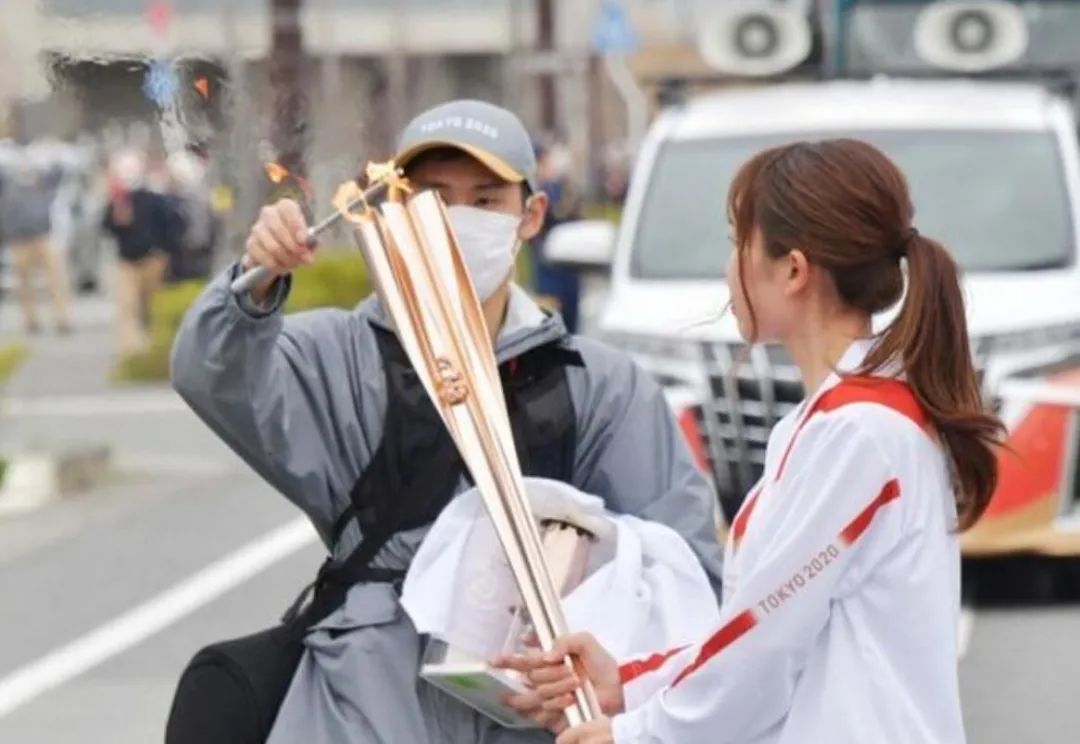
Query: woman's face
(764, 284)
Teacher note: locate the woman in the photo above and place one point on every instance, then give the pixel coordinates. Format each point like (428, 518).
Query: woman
(841, 586)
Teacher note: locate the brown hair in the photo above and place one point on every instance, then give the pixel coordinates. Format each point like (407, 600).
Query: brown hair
(448, 153)
(846, 206)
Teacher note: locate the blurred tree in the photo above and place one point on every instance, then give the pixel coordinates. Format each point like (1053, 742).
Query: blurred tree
(545, 18)
(289, 126)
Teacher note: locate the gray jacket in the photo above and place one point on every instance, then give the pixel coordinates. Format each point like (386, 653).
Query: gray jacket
(302, 400)
(26, 204)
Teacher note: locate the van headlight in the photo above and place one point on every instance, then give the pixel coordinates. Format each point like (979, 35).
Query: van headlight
(658, 347)
(672, 361)
(1027, 340)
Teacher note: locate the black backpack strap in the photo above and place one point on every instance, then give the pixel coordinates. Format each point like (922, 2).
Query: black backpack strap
(332, 583)
(396, 493)
(541, 411)
(413, 432)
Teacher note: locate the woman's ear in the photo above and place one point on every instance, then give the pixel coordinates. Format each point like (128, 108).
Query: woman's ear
(798, 272)
(532, 218)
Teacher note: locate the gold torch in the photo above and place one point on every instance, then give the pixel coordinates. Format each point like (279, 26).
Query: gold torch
(424, 287)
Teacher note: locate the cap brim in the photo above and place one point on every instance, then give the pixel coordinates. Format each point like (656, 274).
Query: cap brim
(495, 164)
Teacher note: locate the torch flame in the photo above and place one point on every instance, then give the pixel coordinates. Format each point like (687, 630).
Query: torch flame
(389, 172)
(202, 85)
(276, 172)
(347, 198)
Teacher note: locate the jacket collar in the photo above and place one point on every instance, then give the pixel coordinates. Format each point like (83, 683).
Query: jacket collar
(525, 327)
(850, 361)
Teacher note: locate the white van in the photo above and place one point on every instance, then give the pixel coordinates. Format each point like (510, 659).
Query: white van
(994, 172)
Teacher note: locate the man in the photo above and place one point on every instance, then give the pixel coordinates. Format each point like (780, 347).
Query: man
(189, 195)
(560, 283)
(145, 227)
(26, 216)
(325, 406)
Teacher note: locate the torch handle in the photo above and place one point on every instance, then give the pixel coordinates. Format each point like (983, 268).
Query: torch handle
(250, 278)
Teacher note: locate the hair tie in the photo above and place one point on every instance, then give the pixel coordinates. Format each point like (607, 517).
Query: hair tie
(905, 242)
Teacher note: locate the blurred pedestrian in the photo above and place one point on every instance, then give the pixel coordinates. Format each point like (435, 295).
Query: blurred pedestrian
(559, 283)
(26, 198)
(140, 219)
(616, 165)
(76, 211)
(197, 224)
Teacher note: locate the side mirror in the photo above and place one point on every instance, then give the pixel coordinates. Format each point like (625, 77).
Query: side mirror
(586, 244)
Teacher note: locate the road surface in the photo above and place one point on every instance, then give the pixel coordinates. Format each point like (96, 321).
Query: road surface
(106, 595)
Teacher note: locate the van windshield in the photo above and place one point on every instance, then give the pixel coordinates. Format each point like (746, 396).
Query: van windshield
(996, 199)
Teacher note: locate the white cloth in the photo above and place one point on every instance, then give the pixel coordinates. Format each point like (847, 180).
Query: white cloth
(841, 599)
(521, 312)
(644, 586)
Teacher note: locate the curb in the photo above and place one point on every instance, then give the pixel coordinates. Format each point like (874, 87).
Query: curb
(34, 479)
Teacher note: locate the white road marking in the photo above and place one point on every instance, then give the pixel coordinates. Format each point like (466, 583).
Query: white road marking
(963, 631)
(152, 616)
(168, 464)
(111, 404)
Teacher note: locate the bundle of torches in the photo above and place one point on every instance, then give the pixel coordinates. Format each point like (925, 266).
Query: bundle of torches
(416, 267)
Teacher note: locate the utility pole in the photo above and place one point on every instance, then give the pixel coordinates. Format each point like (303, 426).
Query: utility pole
(398, 68)
(289, 125)
(545, 16)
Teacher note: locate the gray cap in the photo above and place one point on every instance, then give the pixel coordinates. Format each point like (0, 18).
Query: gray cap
(491, 134)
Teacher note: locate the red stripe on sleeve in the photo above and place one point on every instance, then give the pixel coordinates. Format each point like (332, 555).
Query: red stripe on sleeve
(791, 444)
(738, 527)
(857, 526)
(631, 670)
(743, 622)
(720, 640)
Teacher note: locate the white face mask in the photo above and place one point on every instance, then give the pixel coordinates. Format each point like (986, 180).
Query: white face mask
(489, 244)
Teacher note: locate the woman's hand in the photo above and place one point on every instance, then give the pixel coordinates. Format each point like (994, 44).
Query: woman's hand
(550, 689)
(593, 732)
(531, 706)
(553, 683)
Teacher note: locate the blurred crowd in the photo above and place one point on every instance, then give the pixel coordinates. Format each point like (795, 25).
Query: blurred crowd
(84, 217)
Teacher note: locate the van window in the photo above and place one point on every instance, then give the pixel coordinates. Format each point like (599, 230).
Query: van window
(880, 35)
(996, 199)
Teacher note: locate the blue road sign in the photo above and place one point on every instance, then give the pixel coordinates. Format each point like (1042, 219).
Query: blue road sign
(161, 82)
(612, 32)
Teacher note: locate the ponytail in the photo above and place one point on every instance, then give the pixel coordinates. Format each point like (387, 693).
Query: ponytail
(930, 338)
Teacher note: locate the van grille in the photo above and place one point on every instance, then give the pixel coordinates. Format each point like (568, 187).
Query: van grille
(749, 390)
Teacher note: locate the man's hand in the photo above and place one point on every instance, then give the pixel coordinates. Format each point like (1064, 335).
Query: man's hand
(553, 684)
(593, 732)
(278, 240)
